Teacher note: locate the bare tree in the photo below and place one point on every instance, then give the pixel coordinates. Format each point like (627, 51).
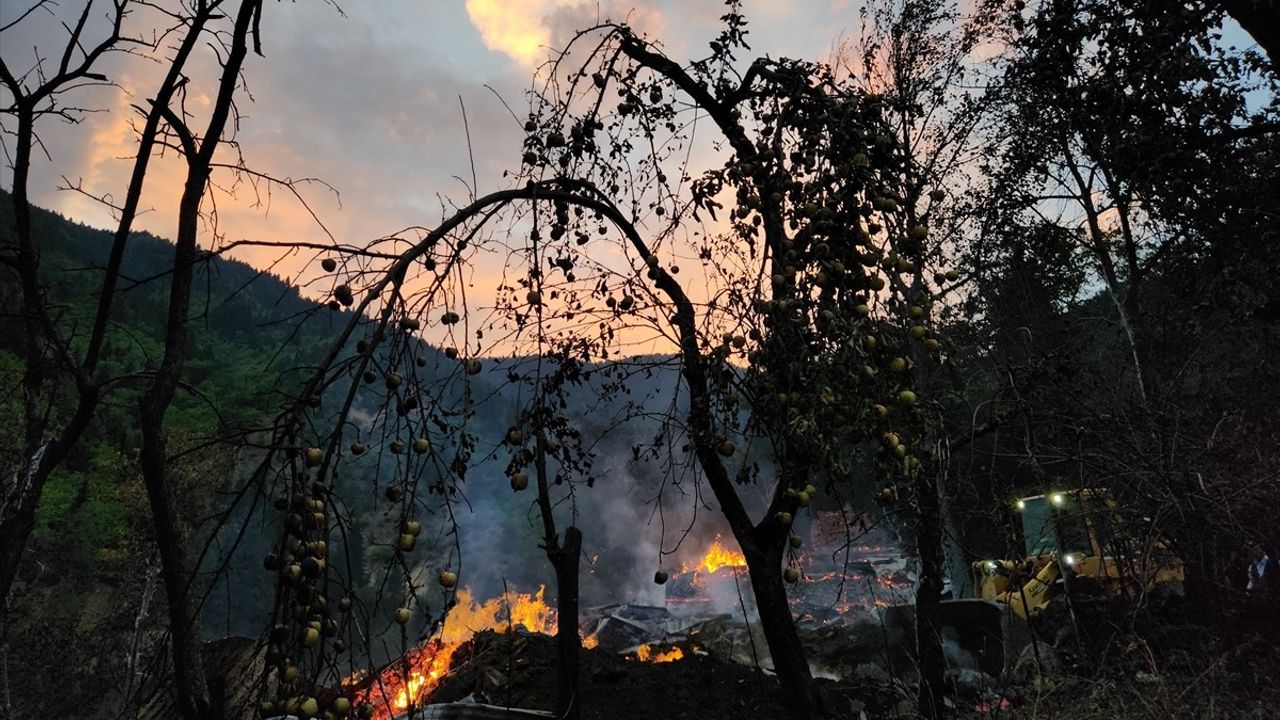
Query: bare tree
(171, 532)
(49, 356)
(36, 94)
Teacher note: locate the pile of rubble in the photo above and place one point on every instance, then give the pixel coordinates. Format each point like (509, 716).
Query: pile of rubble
(518, 670)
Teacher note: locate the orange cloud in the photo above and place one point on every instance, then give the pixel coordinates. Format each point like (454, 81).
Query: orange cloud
(528, 29)
(519, 29)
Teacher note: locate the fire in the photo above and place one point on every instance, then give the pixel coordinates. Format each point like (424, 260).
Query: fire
(412, 689)
(718, 556)
(590, 641)
(500, 613)
(645, 653)
(410, 680)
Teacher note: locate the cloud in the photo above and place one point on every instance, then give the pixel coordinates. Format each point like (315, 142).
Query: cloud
(369, 101)
(519, 29)
(527, 31)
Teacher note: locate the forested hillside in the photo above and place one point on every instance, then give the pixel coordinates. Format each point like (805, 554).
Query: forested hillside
(93, 530)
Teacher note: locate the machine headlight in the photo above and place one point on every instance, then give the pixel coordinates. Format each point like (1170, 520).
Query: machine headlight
(992, 565)
(1058, 499)
(1022, 504)
(1071, 559)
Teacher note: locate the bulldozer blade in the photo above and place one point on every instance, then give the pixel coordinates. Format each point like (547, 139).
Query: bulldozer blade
(987, 631)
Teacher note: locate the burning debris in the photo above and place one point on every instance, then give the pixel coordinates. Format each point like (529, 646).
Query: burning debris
(409, 681)
(647, 653)
(518, 670)
(717, 556)
(850, 588)
(838, 582)
(708, 610)
(617, 628)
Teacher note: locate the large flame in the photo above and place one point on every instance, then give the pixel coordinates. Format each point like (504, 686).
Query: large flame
(409, 681)
(718, 556)
(500, 613)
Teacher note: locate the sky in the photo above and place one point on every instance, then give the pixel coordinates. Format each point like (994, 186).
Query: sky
(366, 96)
(368, 99)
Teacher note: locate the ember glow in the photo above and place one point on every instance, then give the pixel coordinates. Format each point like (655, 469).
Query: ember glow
(718, 556)
(410, 680)
(645, 653)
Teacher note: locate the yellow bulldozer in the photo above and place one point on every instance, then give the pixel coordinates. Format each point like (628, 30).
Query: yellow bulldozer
(1076, 542)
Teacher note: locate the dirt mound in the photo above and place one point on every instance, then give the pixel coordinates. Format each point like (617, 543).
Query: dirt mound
(518, 670)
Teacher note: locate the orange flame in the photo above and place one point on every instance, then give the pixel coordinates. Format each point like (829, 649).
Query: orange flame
(407, 681)
(410, 681)
(645, 653)
(718, 556)
(516, 609)
(590, 641)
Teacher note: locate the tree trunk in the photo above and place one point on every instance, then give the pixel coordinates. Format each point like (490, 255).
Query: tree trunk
(18, 505)
(928, 599)
(18, 521)
(132, 673)
(568, 644)
(171, 536)
(764, 564)
(184, 630)
(171, 540)
(1124, 311)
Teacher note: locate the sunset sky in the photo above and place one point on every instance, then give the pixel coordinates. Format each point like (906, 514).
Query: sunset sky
(368, 101)
(366, 98)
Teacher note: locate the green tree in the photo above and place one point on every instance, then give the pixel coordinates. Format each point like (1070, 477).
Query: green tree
(1130, 162)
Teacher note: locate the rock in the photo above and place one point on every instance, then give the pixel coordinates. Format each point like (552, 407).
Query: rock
(969, 681)
(1026, 667)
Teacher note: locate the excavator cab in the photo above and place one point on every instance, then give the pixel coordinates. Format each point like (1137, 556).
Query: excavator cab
(1061, 523)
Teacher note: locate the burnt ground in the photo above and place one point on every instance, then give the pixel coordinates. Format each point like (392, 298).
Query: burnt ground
(1188, 675)
(1173, 671)
(518, 670)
